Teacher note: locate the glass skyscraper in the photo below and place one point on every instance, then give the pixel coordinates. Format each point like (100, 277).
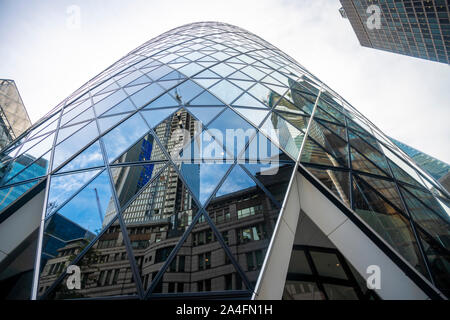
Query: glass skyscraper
(414, 28)
(207, 163)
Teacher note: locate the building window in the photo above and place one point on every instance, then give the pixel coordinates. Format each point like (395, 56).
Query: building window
(162, 254)
(204, 261)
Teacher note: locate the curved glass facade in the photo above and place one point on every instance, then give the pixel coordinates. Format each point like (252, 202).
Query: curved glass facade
(167, 172)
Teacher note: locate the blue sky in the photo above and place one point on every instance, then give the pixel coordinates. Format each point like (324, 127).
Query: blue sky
(405, 97)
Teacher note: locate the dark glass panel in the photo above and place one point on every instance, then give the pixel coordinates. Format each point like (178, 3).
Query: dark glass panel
(62, 187)
(337, 181)
(430, 201)
(387, 189)
(340, 131)
(313, 153)
(146, 149)
(328, 265)
(330, 142)
(129, 180)
(388, 223)
(362, 164)
(338, 292)
(302, 290)
(435, 225)
(123, 136)
(105, 268)
(367, 150)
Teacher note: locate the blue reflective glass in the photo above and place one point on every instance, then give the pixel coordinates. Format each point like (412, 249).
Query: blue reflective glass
(186, 91)
(123, 136)
(146, 95)
(109, 101)
(226, 91)
(236, 181)
(154, 117)
(10, 194)
(124, 106)
(206, 99)
(89, 158)
(166, 100)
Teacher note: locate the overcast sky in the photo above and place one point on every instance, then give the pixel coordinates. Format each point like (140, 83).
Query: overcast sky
(405, 97)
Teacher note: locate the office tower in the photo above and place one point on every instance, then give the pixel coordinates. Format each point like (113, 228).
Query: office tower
(414, 28)
(438, 169)
(14, 118)
(207, 163)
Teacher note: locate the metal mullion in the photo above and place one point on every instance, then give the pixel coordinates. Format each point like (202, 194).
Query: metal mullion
(37, 258)
(312, 266)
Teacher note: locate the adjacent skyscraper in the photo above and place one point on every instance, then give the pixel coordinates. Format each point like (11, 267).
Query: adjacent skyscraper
(14, 118)
(208, 163)
(435, 167)
(415, 28)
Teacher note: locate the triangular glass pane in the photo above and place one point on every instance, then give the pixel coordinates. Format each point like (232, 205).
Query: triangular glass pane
(129, 180)
(200, 265)
(9, 194)
(206, 99)
(156, 219)
(169, 84)
(367, 150)
(105, 123)
(191, 69)
(388, 223)
(236, 181)
(435, 225)
(133, 89)
(299, 121)
(154, 117)
(207, 74)
(222, 69)
(204, 114)
(313, 153)
(63, 133)
(262, 149)
(140, 81)
(231, 131)
(166, 100)
(124, 106)
(146, 149)
(336, 181)
(226, 91)
(174, 75)
(247, 100)
(62, 187)
(123, 136)
(186, 91)
(86, 115)
(240, 76)
(429, 200)
(362, 164)
(255, 116)
(202, 178)
(284, 134)
(146, 95)
(340, 131)
(243, 84)
(386, 188)
(285, 106)
(74, 143)
(401, 175)
(206, 83)
(274, 176)
(159, 72)
(105, 268)
(109, 102)
(89, 158)
(330, 142)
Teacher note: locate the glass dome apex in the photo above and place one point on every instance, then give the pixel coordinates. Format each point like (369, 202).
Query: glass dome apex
(145, 143)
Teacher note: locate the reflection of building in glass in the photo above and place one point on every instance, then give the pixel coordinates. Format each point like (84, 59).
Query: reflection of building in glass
(141, 222)
(14, 118)
(414, 28)
(437, 168)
